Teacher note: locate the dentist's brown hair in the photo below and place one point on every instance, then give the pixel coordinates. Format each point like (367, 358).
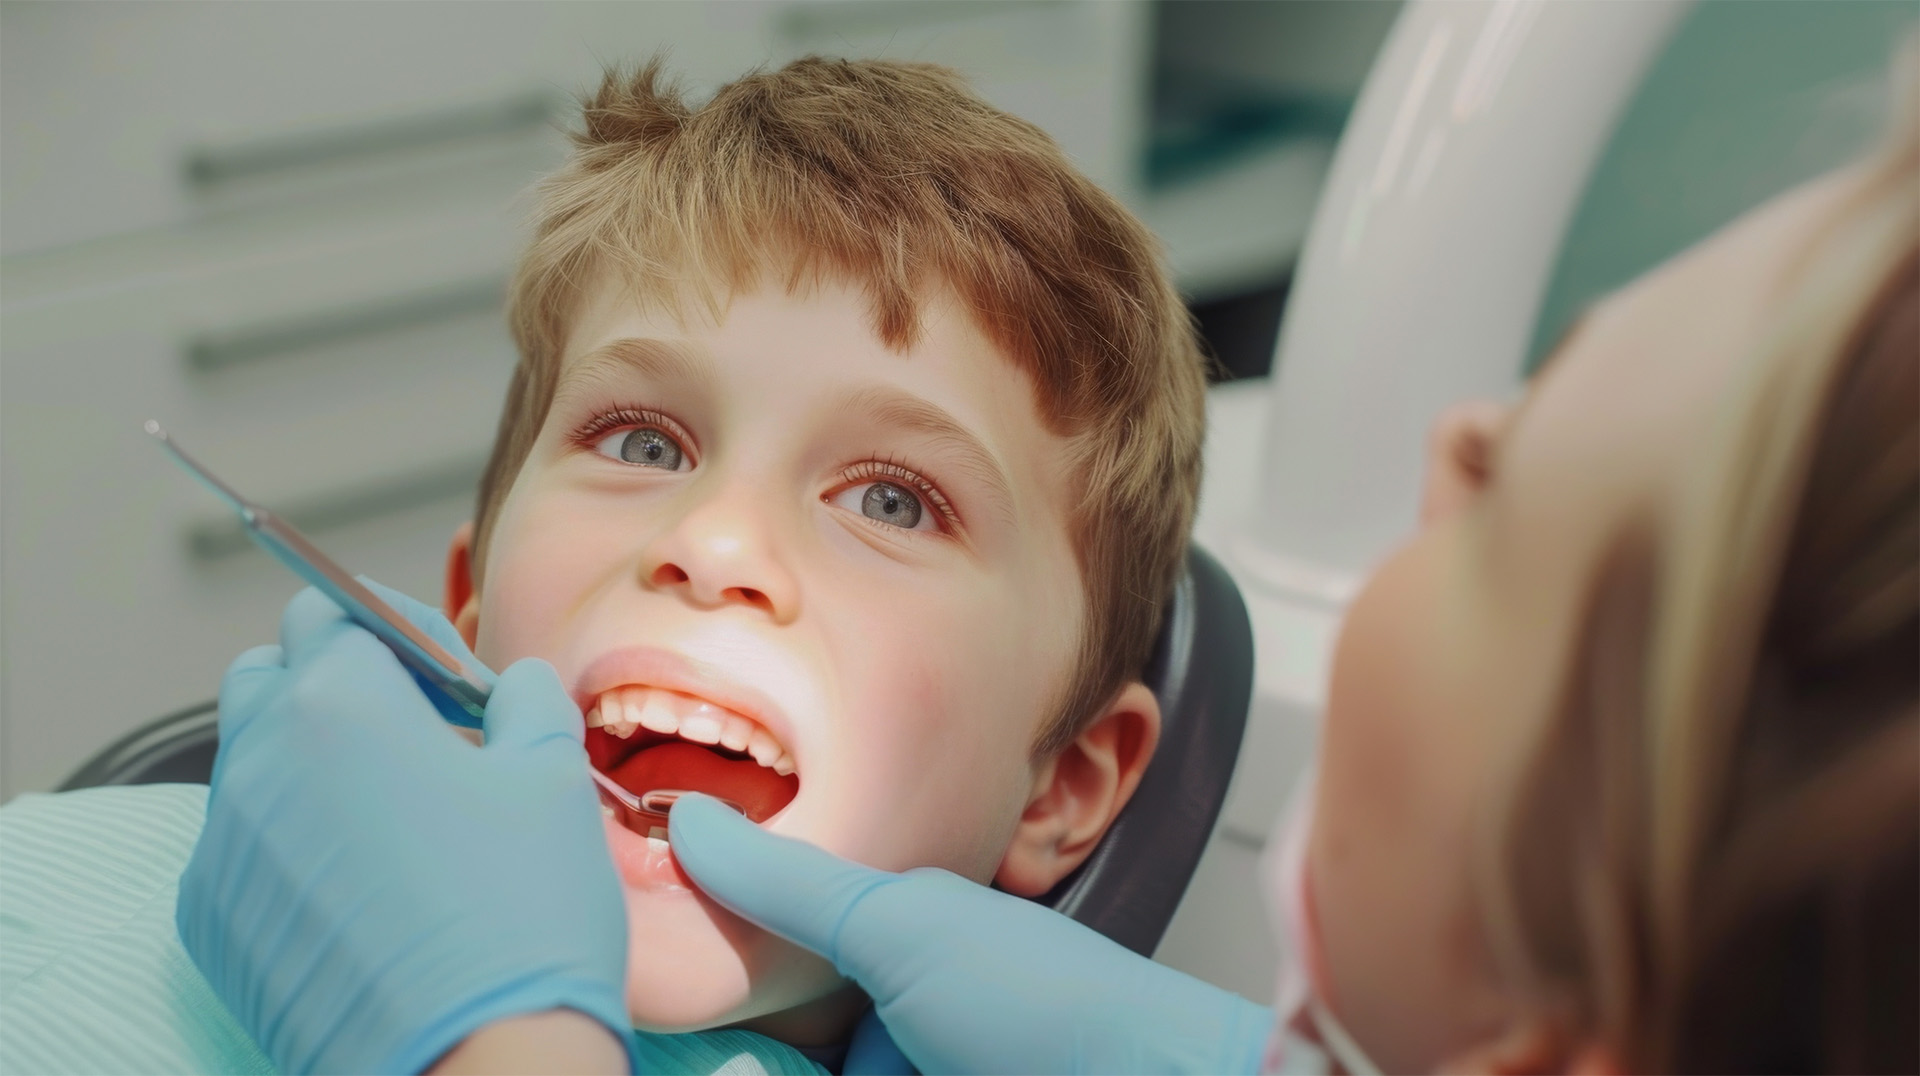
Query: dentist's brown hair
(1710, 860)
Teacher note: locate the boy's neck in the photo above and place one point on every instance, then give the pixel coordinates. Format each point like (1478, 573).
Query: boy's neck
(823, 1022)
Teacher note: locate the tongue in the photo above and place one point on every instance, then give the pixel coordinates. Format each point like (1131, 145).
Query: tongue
(757, 789)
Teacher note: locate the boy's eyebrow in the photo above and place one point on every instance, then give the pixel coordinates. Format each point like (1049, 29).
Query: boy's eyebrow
(657, 360)
(960, 449)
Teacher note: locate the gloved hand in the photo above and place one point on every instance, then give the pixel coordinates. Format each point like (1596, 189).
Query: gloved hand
(370, 888)
(965, 978)
(440, 630)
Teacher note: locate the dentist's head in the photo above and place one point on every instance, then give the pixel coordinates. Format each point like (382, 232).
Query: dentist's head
(1621, 767)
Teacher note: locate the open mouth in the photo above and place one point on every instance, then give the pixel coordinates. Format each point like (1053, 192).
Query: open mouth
(648, 739)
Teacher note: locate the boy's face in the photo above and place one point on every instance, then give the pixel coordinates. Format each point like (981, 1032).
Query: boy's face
(862, 552)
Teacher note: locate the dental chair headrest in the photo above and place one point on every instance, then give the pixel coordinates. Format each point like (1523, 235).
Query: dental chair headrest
(1202, 673)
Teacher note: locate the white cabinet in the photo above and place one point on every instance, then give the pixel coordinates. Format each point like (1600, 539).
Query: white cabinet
(1222, 931)
(126, 588)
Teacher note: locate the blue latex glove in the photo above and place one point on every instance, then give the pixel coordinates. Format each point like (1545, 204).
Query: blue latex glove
(440, 630)
(965, 978)
(370, 888)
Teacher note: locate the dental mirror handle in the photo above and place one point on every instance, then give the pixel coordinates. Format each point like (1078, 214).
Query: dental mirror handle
(415, 648)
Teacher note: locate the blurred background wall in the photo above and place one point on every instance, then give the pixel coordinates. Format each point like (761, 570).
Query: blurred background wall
(283, 230)
(1748, 100)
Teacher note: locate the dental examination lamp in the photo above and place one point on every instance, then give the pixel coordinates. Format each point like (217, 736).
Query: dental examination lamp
(1419, 285)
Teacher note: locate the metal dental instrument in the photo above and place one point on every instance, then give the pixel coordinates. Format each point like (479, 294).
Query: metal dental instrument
(466, 685)
(660, 800)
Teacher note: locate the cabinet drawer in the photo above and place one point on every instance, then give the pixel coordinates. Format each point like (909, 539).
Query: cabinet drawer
(123, 117)
(127, 588)
(116, 627)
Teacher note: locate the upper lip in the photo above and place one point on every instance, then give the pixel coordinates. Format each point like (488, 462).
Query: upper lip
(652, 666)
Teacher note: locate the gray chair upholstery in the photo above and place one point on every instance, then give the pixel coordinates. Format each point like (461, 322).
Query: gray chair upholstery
(1202, 673)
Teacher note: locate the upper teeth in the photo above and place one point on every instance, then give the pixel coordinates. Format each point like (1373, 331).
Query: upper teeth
(625, 710)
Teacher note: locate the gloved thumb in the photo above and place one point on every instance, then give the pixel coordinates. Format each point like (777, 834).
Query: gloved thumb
(528, 706)
(798, 891)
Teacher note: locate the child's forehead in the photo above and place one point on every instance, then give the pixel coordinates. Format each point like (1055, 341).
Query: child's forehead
(950, 385)
(705, 323)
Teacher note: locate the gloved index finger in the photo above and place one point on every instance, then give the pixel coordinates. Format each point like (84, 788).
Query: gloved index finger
(307, 623)
(441, 630)
(427, 619)
(802, 893)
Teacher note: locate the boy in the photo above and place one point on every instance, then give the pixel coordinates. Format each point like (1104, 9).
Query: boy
(842, 393)
(850, 457)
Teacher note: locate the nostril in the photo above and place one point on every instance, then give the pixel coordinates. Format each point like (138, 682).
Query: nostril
(749, 596)
(668, 575)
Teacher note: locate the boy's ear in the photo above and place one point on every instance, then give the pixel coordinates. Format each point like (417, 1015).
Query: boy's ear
(1078, 793)
(462, 601)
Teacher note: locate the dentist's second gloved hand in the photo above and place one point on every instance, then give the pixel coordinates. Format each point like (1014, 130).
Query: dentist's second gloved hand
(965, 978)
(370, 888)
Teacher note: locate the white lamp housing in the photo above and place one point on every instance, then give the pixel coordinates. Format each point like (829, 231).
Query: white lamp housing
(1429, 253)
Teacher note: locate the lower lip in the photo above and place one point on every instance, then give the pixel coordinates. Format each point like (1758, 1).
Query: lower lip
(644, 865)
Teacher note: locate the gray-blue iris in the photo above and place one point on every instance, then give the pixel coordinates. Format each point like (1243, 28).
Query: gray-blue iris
(889, 503)
(650, 448)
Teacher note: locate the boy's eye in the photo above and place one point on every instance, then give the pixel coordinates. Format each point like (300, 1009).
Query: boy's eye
(645, 446)
(887, 503)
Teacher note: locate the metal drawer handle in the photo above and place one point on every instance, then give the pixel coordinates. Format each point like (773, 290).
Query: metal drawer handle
(216, 540)
(208, 167)
(221, 348)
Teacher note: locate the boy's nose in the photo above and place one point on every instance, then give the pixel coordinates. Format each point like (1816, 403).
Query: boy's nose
(718, 555)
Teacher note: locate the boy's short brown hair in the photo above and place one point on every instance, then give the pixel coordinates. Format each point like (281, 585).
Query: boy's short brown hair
(897, 178)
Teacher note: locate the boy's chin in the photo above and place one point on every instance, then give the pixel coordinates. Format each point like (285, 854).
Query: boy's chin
(693, 966)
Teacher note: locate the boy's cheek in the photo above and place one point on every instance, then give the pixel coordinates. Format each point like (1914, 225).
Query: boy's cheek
(513, 622)
(524, 603)
(926, 771)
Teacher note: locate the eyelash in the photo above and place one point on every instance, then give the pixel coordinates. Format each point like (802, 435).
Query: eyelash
(890, 470)
(608, 421)
(871, 470)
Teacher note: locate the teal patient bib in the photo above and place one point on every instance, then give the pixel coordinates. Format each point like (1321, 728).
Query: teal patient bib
(92, 975)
